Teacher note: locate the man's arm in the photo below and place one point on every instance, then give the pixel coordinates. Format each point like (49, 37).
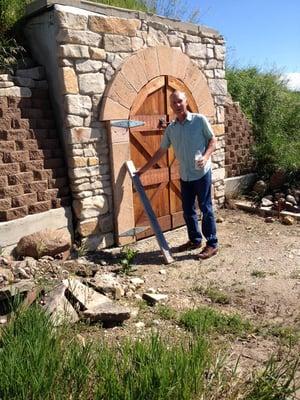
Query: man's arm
(153, 160)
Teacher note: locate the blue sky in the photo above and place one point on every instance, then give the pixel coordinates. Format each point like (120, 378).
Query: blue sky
(265, 33)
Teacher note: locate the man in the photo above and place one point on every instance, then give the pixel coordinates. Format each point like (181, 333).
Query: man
(188, 134)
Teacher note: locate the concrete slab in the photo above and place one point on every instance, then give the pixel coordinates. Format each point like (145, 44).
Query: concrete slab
(12, 231)
(239, 184)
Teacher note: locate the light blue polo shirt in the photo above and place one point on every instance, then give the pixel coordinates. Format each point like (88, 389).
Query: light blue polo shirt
(193, 134)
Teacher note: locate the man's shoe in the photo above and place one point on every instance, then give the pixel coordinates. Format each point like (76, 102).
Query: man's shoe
(188, 246)
(208, 252)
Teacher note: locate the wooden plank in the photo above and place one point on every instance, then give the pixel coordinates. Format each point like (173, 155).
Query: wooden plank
(148, 89)
(164, 247)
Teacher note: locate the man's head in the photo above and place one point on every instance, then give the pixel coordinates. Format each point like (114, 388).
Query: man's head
(178, 102)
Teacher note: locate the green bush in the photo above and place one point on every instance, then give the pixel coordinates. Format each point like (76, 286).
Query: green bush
(274, 112)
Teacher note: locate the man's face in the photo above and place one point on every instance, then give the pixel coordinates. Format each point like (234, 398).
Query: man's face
(179, 103)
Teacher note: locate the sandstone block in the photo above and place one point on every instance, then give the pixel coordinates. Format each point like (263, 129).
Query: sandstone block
(218, 86)
(78, 105)
(97, 54)
(91, 83)
(47, 242)
(6, 84)
(73, 51)
(69, 81)
(73, 120)
(88, 66)
(69, 20)
(81, 135)
(116, 26)
(91, 207)
(86, 228)
(78, 37)
(16, 92)
(115, 43)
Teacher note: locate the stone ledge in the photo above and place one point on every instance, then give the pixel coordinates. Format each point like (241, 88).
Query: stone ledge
(264, 211)
(12, 231)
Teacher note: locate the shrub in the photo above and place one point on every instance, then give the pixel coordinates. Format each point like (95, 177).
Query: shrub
(274, 112)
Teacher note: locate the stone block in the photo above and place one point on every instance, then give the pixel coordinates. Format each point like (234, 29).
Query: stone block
(69, 20)
(97, 54)
(108, 313)
(73, 120)
(78, 37)
(15, 91)
(90, 207)
(218, 86)
(69, 81)
(78, 105)
(73, 51)
(81, 135)
(91, 83)
(87, 297)
(84, 66)
(116, 26)
(196, 50)
(37, 73)
(113, 110)
(89, 227)
(39, 207)
(116, 43)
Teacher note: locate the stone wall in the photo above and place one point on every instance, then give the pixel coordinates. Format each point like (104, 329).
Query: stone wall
(82, 50)
(238, 142)
(33, 176)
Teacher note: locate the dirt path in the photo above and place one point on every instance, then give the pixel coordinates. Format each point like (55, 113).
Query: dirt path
(256, 274)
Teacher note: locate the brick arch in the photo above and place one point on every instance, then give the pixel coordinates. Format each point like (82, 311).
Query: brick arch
(142, 67)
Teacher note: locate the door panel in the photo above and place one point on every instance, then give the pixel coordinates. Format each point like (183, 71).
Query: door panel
(161, 183)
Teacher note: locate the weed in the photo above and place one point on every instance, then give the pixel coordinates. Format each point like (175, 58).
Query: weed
(287, 334)
(295, 274)
(127, 257)
(207, 320)
(276, 382)
(258, 274)
(214, 294)
(165, 312)
(82, 249)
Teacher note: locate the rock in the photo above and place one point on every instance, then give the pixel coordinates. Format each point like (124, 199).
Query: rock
(107, 313)
(3, 319)
(291, 199)
(137, 282)
(219, 220)
(269, 219)
(105, 283)
(265, 202)
(288, 220)
(48, 242)
(162, 272)
(17, 288)
(154, 298)
(87, 297)
(260, 187)
(57, 305)
(140, 325)
(6, 274)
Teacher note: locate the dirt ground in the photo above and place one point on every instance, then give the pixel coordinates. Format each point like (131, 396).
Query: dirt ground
(257, 269)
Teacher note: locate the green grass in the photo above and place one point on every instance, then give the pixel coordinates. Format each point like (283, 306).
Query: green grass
(40, 362)
(258, 274)
(214, 294)
(207, 320)
(289, 335)
(165, 312)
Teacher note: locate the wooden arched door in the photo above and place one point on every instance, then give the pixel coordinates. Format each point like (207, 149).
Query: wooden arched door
(161, 183)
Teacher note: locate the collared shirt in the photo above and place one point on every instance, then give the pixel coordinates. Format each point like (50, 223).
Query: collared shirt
(186, 137)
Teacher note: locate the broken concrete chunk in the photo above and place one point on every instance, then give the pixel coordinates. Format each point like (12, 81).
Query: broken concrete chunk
(16, 288)
(154, 298)
(107, 313)
(87, 297)
(57, 305)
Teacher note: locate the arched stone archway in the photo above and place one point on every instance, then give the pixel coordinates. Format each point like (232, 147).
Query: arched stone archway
(145, 65)
(135, 73)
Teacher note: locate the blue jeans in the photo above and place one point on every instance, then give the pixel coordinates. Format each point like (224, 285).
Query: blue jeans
(201, 188)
